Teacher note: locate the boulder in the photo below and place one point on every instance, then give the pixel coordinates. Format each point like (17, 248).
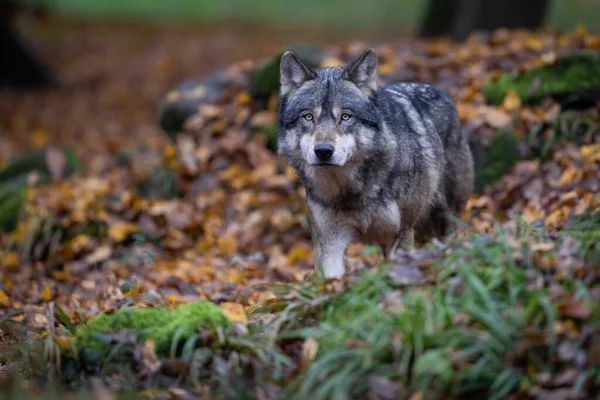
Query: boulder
(574, 80)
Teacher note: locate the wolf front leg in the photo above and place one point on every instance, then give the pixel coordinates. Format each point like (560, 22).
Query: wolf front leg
(331, 238)
(330, 250)
(407, 230)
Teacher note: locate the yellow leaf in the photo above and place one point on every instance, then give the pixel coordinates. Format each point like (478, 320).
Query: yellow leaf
(534, 43)
(235, 312)
(512, 101)
(331, 62)
(11, 261)
(243, 98)
(39, 138)
(581, 30)
(571, 176)
(416, 396)
(387, 68)
(542, 246)
(310, 348)
(556, 218)
(121, 230)
(297, 254)
(63, 342)
(4, 300)
(46, 294)
(590, 153)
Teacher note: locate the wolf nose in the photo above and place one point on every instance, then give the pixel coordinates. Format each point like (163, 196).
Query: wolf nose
(324, 151)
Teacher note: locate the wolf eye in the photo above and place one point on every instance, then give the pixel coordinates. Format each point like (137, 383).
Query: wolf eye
(308, 117)
(346, 117)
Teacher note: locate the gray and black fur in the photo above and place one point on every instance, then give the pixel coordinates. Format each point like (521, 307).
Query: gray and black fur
(379, 164)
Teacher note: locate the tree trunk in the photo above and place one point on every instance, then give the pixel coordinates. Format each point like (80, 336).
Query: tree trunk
(19, 68)
(459, 18)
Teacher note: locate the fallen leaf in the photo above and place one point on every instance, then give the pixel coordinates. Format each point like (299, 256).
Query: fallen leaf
(149, 362)
(121, 231)
(235, 312)
(497, 118)
(11, 261)
(46, 293)
(512, 101)
(574, 309)
(547, 246)
(102, 253)
(4, 300)
(56, 162)
(310, 348)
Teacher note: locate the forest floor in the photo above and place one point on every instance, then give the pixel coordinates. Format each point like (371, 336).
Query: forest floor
(508, 307)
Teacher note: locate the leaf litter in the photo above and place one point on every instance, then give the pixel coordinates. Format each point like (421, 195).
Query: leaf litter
(93, 244)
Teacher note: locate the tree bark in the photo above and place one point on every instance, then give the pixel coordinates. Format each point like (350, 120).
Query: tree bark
(458, 18)
(19, 68)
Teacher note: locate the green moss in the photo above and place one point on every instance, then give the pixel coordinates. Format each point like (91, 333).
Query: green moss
(35, 161)
(577, 74)
(265, 80)
(159, 323)
(499, 160)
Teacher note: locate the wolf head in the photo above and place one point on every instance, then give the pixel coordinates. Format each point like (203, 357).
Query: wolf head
(327, 117)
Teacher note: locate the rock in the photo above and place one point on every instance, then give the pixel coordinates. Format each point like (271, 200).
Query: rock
(37, 167)
(573, 79)
(264, 82)
(182, 101)
(496, 161)
(159, 323)
(41, 161)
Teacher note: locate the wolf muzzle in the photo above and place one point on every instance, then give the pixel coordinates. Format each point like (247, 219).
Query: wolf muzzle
(324, 152)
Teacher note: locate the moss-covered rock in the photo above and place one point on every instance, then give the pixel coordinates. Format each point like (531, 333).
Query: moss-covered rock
(182, 101)
(37, 161)
(159, 323)
(496, 161)
(264, 82)
(16, 177)
(571, 79)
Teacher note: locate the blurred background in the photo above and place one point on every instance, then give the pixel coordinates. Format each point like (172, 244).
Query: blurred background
(114, 60)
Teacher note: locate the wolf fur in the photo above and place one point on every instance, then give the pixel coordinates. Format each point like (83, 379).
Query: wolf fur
(379, 164)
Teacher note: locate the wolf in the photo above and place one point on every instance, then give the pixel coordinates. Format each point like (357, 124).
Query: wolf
(380, 164)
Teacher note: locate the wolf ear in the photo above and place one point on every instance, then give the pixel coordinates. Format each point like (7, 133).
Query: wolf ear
(293, 73)
(363, 72)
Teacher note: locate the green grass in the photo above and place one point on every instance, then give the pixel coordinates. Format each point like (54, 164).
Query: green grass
(400, 16)
(484, 325)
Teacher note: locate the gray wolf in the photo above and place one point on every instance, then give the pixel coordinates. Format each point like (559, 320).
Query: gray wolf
(379, 164)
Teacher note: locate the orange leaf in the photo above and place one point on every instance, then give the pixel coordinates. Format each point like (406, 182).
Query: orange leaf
(4, 300)
(11, 261)
(121, 230)
(590, 153)
(46, 294)
(512, 101)
(571, 176)
(235, 312)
